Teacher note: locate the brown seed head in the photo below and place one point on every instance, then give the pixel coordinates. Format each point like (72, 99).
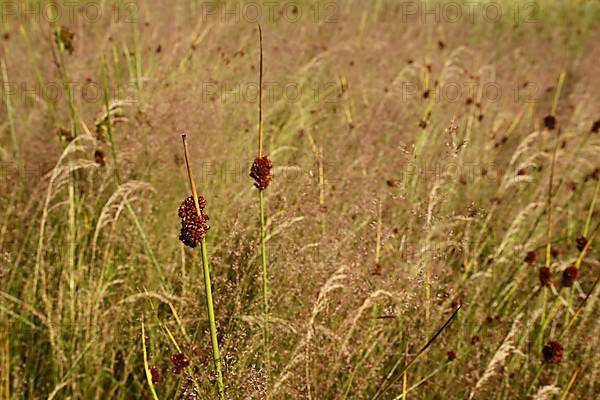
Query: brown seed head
(156, 375)
(545, 276)
(553, 352)
(581, 241)
(193, 226)
(100, 158)
(569, 276)
(451, 355)
(550, 122)
(180, 362)
(596, 126)
(261, 172)
(530, 257)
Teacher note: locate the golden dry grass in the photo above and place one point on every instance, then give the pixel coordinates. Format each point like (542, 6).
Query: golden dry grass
(374, 238)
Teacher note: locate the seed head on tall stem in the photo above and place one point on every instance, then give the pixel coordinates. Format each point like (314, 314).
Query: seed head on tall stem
(194, 230)
(261, 173)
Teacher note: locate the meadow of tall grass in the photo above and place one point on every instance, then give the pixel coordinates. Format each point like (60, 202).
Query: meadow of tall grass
(429, 230)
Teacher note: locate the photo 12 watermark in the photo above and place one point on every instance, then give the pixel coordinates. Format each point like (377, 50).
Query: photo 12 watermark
(87, 91)
(270, 11)
(469, 91)
(469, 11)
(34, 172)
(468, 172)
(289, 92)
(69, 11)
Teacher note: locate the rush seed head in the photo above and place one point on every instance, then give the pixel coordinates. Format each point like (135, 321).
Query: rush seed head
(569, 276)
(545, 276)
(193, 226)
(580, 242)
(530, 257)
(550, 122)
(553, 352)
(100, 158)
(261, 172)
(156, 375)
(180, 362)
(451, 355)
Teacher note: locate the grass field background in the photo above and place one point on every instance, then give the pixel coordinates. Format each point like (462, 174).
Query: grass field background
(416, 169)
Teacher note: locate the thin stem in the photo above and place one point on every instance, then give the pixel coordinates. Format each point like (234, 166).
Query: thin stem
(207, 284)
(9, 109)
(211, 319)
(389, 381)
(265, 281)
(263, 244)
(591, 209)
(146, 367)
(548, 242)
(534, 380)
(260, 95)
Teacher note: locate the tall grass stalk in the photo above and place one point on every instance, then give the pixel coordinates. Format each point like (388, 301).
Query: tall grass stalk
(263, 235)
(9, 109)
(146, 367)
(207, 284)
(549, 224)
(390, 379)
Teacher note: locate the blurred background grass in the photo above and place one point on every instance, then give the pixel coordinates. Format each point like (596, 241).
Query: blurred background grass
(374, 237)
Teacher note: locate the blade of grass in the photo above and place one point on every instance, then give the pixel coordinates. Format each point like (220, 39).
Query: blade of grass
(388, 382)
(146, 367)
(9, 109)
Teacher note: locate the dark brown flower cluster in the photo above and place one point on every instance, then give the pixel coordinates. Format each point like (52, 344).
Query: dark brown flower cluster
(569, 276)
(553, 352)
(580, 242)
(545, 276)
(451, 355)
(530, 257)
(99, 157)
(261, 172)
(180, 362)
(156, 375)
(550, 122)
(193, 226)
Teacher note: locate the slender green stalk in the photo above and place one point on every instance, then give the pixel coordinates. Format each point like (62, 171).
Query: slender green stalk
(588, 220)
(146, 368)
(390, 379)
(265, 280)
(207, 284)
(263, 235)
(548, 233)
(568, 387)
(534, 380)
(211, 318)
(9, 110)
